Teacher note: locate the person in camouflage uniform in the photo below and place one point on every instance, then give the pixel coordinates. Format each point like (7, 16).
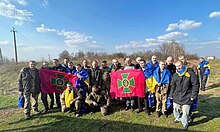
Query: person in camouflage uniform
(29, 86)
(95, 75)
(105, 77)
(98, 100)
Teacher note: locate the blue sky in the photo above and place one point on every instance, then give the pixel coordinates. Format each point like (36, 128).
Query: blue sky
(49, 27)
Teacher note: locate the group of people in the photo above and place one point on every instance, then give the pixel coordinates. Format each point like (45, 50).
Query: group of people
(177, 81)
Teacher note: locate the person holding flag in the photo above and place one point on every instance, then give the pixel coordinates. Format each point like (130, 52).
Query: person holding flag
(161, 82)
(57, 67)
(82, 81)
(149, 69)
(142, 63)
(71, 68)
(70, 99)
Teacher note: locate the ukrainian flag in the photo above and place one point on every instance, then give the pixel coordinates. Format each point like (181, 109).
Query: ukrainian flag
(166, 78)
(148, 72)
(85, 76)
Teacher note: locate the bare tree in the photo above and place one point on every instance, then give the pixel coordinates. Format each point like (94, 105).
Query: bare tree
(172, 48)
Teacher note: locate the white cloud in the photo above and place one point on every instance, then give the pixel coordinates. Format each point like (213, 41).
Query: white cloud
(10, 11)
(172, 36)
(172, 26)
(71, 38)
(150, 42)
(4, 42)
(43, 29)
(135, 45)
(184, 25)
(214, 14)
(22, 2)
(74, 38)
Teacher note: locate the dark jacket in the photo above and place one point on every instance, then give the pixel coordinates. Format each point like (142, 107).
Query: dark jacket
(58, 68)
(95, 77)
(171, 68)
(29, 81)
(183, 88)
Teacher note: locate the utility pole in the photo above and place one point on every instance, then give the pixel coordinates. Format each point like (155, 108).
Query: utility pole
(16, 54)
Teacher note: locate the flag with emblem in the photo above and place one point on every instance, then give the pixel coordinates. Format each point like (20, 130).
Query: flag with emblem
(127, 83)
(55, 81)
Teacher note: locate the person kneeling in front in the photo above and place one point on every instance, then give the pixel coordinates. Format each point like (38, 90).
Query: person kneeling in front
(70, 99)
(97, 100)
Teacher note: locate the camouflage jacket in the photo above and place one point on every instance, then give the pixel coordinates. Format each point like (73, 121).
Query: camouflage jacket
(29, 81)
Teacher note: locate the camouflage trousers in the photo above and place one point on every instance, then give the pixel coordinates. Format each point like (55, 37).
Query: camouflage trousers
(161, 98)
(77, 105)
(27, 103)
(102, 108)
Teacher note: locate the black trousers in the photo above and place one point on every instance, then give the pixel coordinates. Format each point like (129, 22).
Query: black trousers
(45, 101)
(143, 103)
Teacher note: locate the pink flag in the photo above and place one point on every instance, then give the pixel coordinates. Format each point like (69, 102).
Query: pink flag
(55, 81)
(127, 83)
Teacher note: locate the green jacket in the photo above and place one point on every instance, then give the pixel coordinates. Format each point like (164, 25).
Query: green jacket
(101, 98)
(29, 81)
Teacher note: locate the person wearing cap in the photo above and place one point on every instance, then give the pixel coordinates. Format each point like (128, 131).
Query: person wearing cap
(29, 86)
(204, 69)
(70, 99)
(98, 100)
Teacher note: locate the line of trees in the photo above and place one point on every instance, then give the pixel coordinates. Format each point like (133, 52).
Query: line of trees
(172, 48)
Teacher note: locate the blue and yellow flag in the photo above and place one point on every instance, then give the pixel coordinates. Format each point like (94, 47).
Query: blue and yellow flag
(148, 73)
(165, 78)
(85, 78)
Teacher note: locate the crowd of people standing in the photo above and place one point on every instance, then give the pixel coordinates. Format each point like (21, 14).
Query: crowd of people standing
(177, 81)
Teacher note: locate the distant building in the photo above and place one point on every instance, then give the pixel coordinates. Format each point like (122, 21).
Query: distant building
(210, 57)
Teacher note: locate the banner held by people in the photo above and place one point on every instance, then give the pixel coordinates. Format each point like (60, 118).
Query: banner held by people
(55, 81)
(127, 83)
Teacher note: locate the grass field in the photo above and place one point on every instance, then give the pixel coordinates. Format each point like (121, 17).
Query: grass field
(206, 118)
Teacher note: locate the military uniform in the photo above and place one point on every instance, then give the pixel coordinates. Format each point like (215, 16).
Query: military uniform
(29, 85)
(95, 77)
(101, 98)
(76, 103)
(105, 79)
